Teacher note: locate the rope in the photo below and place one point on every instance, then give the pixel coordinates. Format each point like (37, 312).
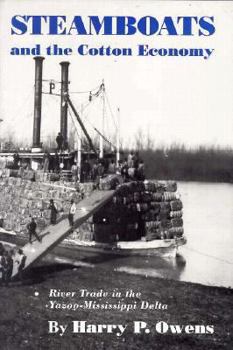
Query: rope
(52, 80)
(105, 139)
(48, 93)
(87, 91)
(26, 102)
(75, 126)
(208, 255)
(94, 96)
(110, 109)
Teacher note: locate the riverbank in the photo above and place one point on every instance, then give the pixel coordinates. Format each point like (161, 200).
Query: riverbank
(210, 164)
(24, 315)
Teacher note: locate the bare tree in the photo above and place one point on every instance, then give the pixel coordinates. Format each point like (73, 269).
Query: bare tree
(139, 140)
(149, 141)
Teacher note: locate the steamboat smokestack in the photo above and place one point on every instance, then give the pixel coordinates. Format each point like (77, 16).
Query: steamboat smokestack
(37, 101)
(64, 92)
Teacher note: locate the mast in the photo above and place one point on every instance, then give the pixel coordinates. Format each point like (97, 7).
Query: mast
(118, 137)
(79, 150)
(103, 122)
(1, 147)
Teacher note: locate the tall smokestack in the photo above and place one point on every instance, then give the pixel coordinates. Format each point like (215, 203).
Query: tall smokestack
(64, 92)
(37, 101)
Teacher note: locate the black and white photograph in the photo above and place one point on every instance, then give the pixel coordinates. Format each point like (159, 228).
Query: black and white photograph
(116, 175)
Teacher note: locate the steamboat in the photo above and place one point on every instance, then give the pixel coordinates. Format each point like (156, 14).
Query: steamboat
(117, 212)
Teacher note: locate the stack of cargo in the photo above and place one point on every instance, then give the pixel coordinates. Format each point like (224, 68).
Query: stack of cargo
(21, 198)
(141, 210)
(110, 182)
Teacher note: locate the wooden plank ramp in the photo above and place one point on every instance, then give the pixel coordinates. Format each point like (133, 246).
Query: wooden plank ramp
(52, 235)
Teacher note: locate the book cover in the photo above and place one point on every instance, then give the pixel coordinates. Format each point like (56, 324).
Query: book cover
(116, 172)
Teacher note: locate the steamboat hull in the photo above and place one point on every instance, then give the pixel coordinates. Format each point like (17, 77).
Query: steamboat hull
(73, 249)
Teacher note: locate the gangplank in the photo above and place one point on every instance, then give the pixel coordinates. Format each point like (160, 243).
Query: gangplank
(54, 234)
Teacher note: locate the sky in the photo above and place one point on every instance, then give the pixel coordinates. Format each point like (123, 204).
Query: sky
(182, 100)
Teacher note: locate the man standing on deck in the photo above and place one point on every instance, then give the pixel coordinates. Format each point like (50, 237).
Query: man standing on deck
(71, 213)
(31, 226)
(112, 167)
(86, 169)
(60, 142)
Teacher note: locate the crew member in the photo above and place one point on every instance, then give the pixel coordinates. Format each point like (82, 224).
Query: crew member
(31, 226)
(86, 168)
(1, 256)
(46, 159)
(72, 211)
(7, 267)
(112, 167)
(56, 163)
(74, 171)
(60, 141)
(53, 213)
(130, 160)
(21, 259)
(141, 171)
(124, 170)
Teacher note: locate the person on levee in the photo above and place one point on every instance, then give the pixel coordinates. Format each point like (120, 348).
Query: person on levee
(72, 211)
(31, 226)
(20, 260)
(7, 267)
(1, 256)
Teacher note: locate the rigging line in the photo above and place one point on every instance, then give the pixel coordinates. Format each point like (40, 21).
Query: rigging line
(85, 92)
(208, 255)
(82, 108)
(53, 94)
(75, 124)
(26, 100)
(49, 106)
(93, 97)
(104, 138)
(107, 126)
(52, 80)
(81, 124)
(110, 109)
(72, 119)
(99, 132)
(88, 103)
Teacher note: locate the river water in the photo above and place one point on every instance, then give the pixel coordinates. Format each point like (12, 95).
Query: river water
(207, 258)
(208, 220)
